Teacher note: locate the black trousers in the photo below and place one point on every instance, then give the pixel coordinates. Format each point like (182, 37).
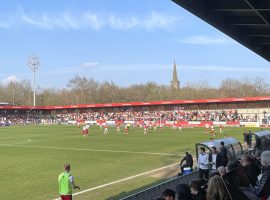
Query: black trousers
(204, 172)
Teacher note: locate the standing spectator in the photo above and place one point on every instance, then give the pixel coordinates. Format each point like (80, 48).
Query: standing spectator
(65, 183)
(189, 162)
(216, 189)
(223, 154)
(249, 139)
(245, 135)
(258, 145)
(203, 164)
(215, 159)
(251, 168)
(262, 188)
(183, 192)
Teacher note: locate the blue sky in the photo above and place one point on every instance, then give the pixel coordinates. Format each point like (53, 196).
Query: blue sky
(124, 41)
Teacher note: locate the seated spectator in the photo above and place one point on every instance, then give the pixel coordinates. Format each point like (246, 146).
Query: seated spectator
(168, 194)
(237, 182)
(216, 189)
(183, 192)
(251, 168)
(221, 170)
(262, 188)
(198, 189)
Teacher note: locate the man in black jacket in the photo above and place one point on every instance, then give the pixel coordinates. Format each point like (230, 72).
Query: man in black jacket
(223, 153)
(214, 158)
(189, 162)
(262, 188)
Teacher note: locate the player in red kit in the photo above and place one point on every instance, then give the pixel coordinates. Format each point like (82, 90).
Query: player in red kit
(106, 129)
(155, 126)
(145, 128)
(118, 128)
(212, 130)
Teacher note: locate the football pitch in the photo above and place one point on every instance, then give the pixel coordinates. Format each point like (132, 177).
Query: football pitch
(108, 166)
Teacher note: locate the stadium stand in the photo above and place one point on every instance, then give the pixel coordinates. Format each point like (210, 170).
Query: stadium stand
(249, 111)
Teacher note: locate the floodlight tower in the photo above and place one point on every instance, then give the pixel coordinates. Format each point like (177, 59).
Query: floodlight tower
(33, 63)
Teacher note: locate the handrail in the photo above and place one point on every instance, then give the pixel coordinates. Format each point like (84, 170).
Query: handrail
(155, 191)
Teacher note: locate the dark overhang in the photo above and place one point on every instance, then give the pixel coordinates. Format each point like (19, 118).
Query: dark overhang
(246, 21)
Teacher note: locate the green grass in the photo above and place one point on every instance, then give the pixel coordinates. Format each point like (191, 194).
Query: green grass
(29, 170)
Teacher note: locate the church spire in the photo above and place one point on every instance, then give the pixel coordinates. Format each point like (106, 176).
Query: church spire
(175, 82)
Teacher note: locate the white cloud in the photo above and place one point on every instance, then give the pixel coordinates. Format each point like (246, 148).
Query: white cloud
(205, 40)
(152, 21)
(12, 78)
(89, 64)
(159, 20)
(5, 25)
(88, 20)
(92, 21)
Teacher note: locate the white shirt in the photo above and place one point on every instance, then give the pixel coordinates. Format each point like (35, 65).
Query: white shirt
(203, 161)
(214, 159)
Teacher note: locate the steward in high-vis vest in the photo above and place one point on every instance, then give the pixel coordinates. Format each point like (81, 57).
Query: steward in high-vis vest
(66, 183)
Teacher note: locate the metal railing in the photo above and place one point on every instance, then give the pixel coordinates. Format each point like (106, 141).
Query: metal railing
(155, 191)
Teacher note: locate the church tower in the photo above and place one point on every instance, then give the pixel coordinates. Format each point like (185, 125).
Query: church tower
(175, 84)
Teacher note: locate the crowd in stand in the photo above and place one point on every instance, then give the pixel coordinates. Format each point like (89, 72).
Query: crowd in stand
(245, 179)
(176, 115)
(19, 119)
(179, 115)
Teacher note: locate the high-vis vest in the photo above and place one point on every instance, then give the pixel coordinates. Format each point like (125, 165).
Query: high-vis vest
(64, 184)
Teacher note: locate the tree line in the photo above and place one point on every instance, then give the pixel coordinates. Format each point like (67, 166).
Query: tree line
(82, 90)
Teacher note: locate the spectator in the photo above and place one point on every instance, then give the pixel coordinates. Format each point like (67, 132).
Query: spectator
(251, 168)
(258, 145)
(221, 170)
(223, 154)
(203, 164)
(215, 159)
(189, 162)
(216, 189)
(168, 194)
(198, 189)
(245, 135)
(237, 182)
(262, 188)
(249, 139)
(183, 192)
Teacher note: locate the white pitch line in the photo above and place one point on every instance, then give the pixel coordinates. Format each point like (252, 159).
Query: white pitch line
(120, 180)
(27, 140)
(95, 150)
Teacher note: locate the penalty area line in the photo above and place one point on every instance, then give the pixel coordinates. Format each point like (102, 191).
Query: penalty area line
(121, 180)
